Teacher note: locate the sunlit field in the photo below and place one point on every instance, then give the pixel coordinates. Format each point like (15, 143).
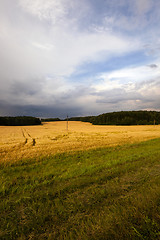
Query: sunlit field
(87, 182)
(18, 142)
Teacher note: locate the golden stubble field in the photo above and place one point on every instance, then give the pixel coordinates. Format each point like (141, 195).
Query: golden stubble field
(21, 142)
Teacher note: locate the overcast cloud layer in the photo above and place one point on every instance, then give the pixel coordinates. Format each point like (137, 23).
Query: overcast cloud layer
(87, 57)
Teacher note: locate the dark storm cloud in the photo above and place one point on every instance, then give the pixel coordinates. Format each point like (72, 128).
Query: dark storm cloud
(116, 96)
(27, 87)
(76, 103)
(40, 111)
(153, 65)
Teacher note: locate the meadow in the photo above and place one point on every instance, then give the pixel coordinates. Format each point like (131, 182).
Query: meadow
(90, 182)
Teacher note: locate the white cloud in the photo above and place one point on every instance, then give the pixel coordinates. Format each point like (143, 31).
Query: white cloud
(126, 78)
(55, 12)
(38, 50)
(44, 9)
(43, 46)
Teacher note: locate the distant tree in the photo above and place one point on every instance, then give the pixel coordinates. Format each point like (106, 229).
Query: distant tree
(122, 118)
(19, 121)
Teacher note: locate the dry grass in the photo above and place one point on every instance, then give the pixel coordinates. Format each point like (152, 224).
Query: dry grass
(34, 141)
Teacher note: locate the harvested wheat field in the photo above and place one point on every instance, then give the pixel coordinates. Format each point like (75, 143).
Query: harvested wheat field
(18, 142)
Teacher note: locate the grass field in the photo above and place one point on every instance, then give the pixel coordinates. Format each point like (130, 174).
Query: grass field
(111, 191)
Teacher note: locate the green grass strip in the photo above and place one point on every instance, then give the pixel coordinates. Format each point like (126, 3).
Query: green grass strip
(107, 193)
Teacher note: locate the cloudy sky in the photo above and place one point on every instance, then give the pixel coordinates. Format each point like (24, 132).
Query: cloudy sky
(79, 57)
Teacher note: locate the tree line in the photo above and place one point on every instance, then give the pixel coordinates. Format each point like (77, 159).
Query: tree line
(50, 119)
(113, 118)
(122, 118)
(19, 121)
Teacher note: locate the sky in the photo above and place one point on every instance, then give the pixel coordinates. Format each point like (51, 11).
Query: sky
(79, 58)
